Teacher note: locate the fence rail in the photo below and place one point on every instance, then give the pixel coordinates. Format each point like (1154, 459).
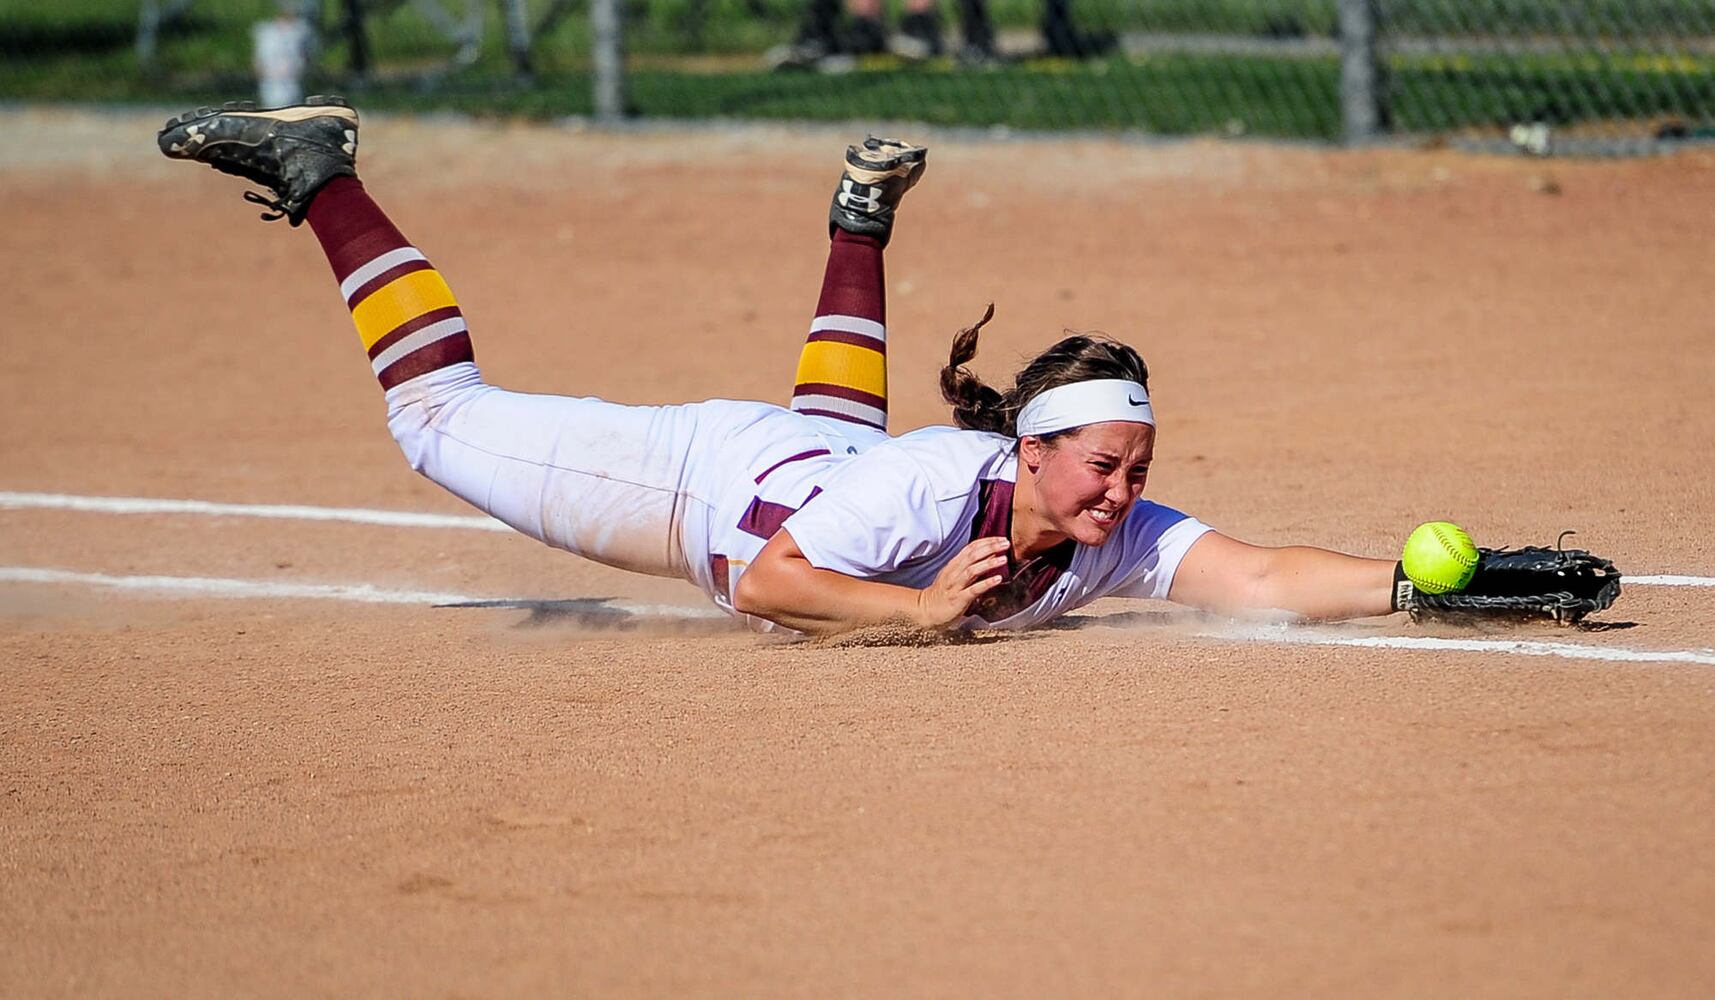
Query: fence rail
(1549, 76)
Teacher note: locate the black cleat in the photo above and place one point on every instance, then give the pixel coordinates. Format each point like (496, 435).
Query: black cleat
(877, 175)
(290, 151)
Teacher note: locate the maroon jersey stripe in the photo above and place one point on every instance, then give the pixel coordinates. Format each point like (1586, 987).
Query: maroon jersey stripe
(1023, 585)
(764, 518)
(721, 569)
(801, 456)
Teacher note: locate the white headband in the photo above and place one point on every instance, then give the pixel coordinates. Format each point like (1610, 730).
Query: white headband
(1080, 403)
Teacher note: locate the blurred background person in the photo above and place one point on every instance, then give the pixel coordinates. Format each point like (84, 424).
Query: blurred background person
(282, 47)
(1061, 37)
(828, 41)
(831, 40)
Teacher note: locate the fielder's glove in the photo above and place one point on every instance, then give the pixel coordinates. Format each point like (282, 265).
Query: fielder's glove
(1528, 582)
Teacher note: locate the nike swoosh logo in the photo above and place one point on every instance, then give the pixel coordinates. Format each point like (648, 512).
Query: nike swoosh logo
(1136, 402)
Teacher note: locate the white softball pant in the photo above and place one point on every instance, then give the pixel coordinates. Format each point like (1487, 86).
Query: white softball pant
(629, 486)
(608, 482)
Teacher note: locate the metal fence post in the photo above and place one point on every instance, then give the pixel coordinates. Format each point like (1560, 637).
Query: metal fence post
(1363, 107)
(152, 16)
(148, 31)
(518, 37)
(357, 37)
(607, 61)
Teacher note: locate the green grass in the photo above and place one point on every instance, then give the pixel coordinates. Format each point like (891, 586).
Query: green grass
(81, 50)
(1177, 95)
(1029, 96)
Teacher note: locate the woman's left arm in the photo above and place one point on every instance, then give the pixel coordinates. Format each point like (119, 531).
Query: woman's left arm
(1227, 576)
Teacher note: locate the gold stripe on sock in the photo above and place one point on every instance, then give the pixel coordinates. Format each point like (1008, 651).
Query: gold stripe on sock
(844, 365)
(399, 301)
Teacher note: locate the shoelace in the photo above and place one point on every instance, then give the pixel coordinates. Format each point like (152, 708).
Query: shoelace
(277, 205)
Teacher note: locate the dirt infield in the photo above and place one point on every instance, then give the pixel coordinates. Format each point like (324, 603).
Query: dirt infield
(282, 796)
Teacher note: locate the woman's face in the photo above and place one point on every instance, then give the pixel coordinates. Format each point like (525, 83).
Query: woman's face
(1087, 481)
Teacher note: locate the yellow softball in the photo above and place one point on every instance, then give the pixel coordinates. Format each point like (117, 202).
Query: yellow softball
(1439, 557)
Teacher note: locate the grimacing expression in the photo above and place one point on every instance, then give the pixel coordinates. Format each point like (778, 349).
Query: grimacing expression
(1087, 480)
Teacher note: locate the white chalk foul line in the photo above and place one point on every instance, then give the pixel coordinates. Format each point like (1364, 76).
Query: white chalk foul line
(362, 593)
(201, 586)
(298, 512)
(15, 500)
(1297, 636)
(1668, 580)
(217, 587)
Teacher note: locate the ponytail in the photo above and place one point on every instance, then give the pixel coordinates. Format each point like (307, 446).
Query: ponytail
(976, 406)
(1076, 358)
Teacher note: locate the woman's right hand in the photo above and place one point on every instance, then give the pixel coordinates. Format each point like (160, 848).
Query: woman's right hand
(973, 572)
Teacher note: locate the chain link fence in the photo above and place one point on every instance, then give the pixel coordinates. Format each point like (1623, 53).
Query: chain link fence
(1582, 76)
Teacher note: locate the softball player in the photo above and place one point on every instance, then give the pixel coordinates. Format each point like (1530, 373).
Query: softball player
(809, 517)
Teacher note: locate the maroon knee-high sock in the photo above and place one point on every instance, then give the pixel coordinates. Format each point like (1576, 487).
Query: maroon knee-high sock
(842, 371)
(405, 314)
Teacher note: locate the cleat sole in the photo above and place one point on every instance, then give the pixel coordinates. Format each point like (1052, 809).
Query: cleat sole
(318, 106)
(879, 159)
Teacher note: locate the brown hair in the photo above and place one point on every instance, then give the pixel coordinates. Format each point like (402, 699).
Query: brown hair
(1077, 358)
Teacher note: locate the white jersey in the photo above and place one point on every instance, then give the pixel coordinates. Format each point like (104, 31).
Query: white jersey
(899, 510)
(695, 491)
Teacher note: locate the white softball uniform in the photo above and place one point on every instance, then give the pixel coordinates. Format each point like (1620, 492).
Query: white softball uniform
(695, 490)
(903, 509)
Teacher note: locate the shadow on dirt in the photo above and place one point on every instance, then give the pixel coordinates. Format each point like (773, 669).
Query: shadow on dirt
(1604, 626)
(912, 636)
(1453, 625)
(602, 614)
(1120, 619)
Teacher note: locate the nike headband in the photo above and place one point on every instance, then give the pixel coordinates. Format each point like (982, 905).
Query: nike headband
(1090, 402)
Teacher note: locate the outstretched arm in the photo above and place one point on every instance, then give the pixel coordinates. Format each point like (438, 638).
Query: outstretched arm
(784, 587)
(1228, 576)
